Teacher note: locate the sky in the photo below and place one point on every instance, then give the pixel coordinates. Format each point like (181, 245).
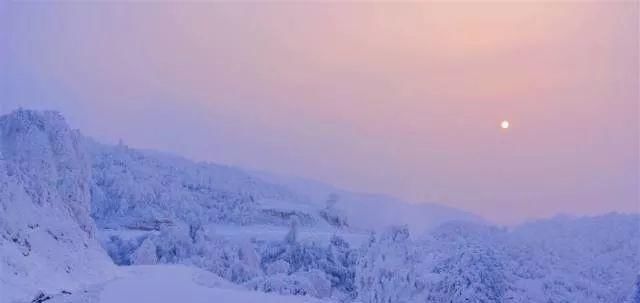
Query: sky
(398, 98)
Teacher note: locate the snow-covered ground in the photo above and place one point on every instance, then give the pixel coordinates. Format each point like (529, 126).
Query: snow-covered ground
(169, 284)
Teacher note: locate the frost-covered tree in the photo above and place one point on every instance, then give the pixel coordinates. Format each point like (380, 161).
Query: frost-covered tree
(305, 283)
(635, 296)
(292, 235)
(387, 270)
(331, 214)
(330, 268)
(145, 254)
(471, 274)
(341, 266)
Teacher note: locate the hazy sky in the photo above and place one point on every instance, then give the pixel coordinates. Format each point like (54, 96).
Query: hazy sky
(404, 99)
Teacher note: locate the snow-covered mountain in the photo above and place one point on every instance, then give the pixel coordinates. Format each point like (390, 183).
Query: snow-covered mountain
(71, 209)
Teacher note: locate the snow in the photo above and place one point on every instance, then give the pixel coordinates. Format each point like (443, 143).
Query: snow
(180, 284)
(559, 260)
(169, 284)
(47, 238)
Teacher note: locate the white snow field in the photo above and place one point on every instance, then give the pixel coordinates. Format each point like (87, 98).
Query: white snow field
(84, 222)
(170, 284)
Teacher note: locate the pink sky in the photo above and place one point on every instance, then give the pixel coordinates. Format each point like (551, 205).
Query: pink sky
(404, 99)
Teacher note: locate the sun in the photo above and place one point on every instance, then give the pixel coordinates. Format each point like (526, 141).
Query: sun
(504, 124)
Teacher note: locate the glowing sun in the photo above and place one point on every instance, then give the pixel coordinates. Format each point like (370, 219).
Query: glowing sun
(504, 124)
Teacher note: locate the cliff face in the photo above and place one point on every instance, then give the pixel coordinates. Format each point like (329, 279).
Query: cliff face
(47, 239)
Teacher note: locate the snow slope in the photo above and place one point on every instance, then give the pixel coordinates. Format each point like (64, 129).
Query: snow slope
(169, 284)
(47, 238)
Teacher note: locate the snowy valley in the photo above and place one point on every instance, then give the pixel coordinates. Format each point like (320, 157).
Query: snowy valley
(81, 221)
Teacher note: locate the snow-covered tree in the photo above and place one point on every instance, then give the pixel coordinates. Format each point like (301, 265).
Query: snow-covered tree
(387, 271)
(331, 214)
(145, 254)
(471, 274)
(635, 296)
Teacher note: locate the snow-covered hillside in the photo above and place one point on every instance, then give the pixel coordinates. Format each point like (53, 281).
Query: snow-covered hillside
(47, 237)
(81, 221)
(143, 190)
(372, 211)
